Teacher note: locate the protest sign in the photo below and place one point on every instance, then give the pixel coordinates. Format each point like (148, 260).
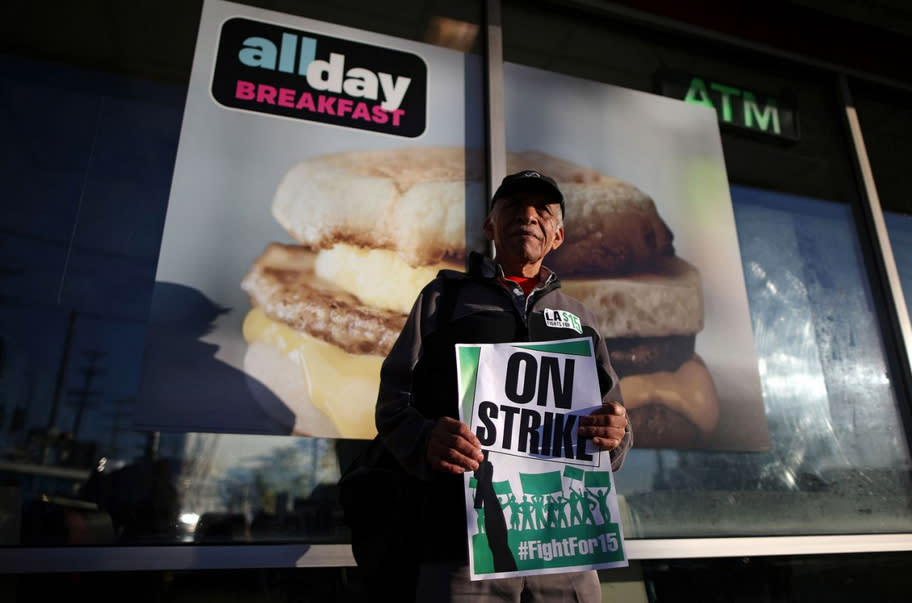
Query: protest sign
(543, 500)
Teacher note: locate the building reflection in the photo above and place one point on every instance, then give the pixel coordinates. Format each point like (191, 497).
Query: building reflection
(226, 488)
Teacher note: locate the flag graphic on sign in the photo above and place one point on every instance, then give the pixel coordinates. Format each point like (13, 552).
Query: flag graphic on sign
(542, 483)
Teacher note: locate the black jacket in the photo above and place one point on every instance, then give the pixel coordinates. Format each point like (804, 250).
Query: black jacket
(418, 379)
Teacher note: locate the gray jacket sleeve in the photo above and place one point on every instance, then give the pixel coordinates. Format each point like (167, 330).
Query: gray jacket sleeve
(611, 392)
(402, 428)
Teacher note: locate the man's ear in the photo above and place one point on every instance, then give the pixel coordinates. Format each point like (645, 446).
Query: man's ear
(558, 238)
(488, 228)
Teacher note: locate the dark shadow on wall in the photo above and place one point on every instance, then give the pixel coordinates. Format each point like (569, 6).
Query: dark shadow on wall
(184, 387)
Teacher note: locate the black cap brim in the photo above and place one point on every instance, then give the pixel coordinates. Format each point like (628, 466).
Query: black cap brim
(529, 181)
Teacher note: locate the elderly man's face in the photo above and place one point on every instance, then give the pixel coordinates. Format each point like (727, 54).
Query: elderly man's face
(524, 228)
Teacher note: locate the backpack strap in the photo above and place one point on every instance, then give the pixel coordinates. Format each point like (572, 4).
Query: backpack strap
(448, 293)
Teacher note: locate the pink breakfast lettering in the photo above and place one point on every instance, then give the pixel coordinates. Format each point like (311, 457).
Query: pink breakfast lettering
(325, 104)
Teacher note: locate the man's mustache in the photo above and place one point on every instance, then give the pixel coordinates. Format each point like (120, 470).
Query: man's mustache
(526, 230)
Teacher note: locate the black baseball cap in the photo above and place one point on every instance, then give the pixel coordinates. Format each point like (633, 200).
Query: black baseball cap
(529, 181)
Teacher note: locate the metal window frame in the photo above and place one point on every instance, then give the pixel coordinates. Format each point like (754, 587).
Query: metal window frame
(252, 556)
(899, 326)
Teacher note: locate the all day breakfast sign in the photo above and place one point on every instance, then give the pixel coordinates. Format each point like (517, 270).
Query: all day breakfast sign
(543, 500)
(275, 69)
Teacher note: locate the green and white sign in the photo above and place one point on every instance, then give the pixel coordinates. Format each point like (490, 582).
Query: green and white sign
(543, 501)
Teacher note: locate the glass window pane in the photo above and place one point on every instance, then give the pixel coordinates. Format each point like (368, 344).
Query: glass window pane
(94, 102)
(837, 457)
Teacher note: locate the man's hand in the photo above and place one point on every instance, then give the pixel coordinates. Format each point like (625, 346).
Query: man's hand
(605, 425)
(453, 448)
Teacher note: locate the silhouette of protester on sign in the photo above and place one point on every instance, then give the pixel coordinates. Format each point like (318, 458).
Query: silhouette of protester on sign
(513, 505)
(601, 496)
(494, 521)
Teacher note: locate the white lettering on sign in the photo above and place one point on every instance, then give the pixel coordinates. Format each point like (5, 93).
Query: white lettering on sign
(331, 75)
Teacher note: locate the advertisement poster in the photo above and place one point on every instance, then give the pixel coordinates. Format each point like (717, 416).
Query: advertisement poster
(324, 174)
(651, 248)
(543, 500)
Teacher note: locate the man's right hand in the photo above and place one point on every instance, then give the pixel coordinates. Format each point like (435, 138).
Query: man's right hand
(452, 447)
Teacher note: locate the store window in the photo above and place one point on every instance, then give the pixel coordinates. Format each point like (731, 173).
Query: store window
(807, 438)
(101, 132)
(747, 164)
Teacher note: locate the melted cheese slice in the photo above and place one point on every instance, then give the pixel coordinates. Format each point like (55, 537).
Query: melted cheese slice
(377, 277)
(689, 391)
(341, 385)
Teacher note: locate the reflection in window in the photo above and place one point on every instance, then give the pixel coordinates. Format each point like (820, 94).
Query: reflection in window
(88, 162)
(839, 459)
(87, 172)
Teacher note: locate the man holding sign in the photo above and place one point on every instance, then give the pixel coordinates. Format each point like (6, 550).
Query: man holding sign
(512, 299)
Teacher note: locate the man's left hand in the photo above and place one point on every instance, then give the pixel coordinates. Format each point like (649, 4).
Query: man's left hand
(605, 425)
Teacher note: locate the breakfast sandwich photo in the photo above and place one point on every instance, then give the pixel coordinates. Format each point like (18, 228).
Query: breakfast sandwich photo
(294, 244)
